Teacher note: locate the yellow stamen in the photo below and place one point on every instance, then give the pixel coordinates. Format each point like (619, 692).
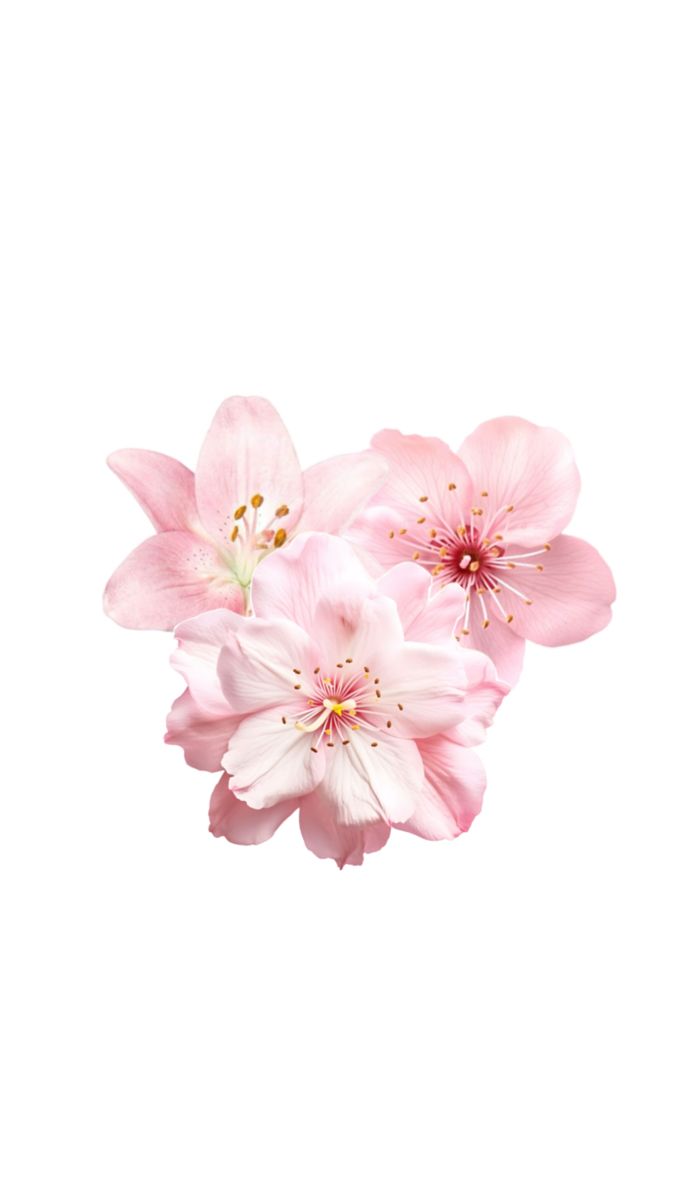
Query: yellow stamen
(256, 500)
(239, 512)
(280, 537)
(282, 511)
(474, 566)
(235, 534)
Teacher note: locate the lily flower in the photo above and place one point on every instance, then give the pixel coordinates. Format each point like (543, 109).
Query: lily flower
(247, 498)
(490, 519)
(343, 697)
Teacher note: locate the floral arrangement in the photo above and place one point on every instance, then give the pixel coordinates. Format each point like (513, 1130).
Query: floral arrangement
(347, 633)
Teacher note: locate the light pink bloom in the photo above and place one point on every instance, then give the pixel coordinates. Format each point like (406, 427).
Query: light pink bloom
(342, 697)
(247, 497)
(489, 519)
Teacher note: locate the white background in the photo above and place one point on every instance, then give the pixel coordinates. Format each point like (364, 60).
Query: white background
(415, 215)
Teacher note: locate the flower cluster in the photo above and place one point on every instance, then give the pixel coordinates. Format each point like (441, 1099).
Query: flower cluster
(347, 633)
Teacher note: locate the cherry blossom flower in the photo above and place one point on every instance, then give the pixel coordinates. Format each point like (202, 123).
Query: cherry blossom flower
(247, 498)
(343, 697)
(490, 520)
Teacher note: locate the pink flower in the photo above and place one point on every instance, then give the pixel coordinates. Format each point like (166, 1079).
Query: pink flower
(342, 697)
(490, 519)
(246, 499)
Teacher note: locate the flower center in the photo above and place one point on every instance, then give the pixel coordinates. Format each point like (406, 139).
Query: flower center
(473, 553)
(250, 540)
(337, 704)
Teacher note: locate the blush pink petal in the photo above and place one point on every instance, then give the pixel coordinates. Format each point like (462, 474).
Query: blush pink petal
(233, 819)
(269, 761)
(571, 597)
(501, 643)
(485, 692)
(453, 791)
(202, 736)
(247, 451)
(424, 618)
(164, 488)
(291, 584)
(528, 466)
(200, 640)
(366, 783)
(347, 626)
(421, 466)
(371, 531)
(328, 838)
(423, 689)
(258, 662)
(165, 579)
(337, 489)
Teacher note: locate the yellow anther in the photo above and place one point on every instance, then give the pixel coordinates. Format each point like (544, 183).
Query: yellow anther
(509, 618)
(421, 520)
(416, 556)
(235, 534)
(391, 533)
(423, 499)
(402, 531)
(282, 511)
(547, 545)
(433, 533)
(539, 567)
(437, 569)
(485, 624)
(466, 632)
(461, 530)
(280, 537)
(477, 512)
(256, 500)
(451, 487)
(483, 493)
(474, 566)
(239, 512)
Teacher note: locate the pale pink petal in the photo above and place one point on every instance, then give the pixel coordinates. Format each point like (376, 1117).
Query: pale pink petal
(500, 642)
(483, 697)
(269, 760)
(374, 777)
(247, 452)
(571, 597)
(233, 819)
(352, 629)
(164, 488)
(424, 617)
(200, 640)
(312, 566)
(337, 489)
(202, 736)
(327, 838)
(422, 467)
(453, 791)
(376, 533)
(169, 577)
(527, 466)
(265, 663)
(421, 690)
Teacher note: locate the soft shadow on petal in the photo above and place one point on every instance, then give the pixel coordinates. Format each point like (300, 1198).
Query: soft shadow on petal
(327, 838)
(453, 791)
(269, 760)
(202, 735)
(571, 597)
(337, 489)
(313, 565)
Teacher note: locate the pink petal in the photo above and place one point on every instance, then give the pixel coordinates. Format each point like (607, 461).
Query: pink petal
(327, 838)
(247, 452)
(270, 761)
(266, 663)
(501, 643)
(200, 640)
(571, 597)
(233, 819)
(424, 617)
(453, 792)
(164, 488)
(372, 533)
(422, 689)
(484, 696)
(312, 566)
(349, 626)
(528, 466)
(366, 782)
(202, 736)
(166, 579)
(422, 466)
(337, 489)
